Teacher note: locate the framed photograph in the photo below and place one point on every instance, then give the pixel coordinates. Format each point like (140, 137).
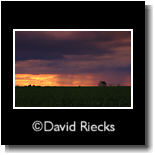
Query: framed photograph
(73, 75)
(73, 68)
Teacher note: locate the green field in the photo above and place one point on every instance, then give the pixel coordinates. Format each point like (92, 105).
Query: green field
(73, 96)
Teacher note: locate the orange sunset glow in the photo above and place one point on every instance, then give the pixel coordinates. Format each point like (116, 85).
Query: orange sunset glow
(59, 80)
(37, 80)
(52, 80)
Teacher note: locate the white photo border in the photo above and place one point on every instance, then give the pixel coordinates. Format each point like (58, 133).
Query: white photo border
(14, 30)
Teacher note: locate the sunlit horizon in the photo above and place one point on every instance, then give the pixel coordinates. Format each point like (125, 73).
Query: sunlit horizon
(60, 80)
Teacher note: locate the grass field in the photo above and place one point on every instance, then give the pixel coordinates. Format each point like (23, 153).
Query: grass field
(73, 96)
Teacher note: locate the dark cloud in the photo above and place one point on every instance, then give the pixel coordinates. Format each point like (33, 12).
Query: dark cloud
(54, 45)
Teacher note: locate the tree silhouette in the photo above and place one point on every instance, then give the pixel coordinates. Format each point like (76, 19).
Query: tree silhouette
(102, 84)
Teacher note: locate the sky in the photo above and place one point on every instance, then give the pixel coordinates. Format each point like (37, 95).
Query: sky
(72, 58)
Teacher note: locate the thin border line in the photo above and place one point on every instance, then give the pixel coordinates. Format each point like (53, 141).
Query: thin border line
(131, 30)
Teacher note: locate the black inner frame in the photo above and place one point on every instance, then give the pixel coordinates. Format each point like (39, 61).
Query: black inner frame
(17, 123)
